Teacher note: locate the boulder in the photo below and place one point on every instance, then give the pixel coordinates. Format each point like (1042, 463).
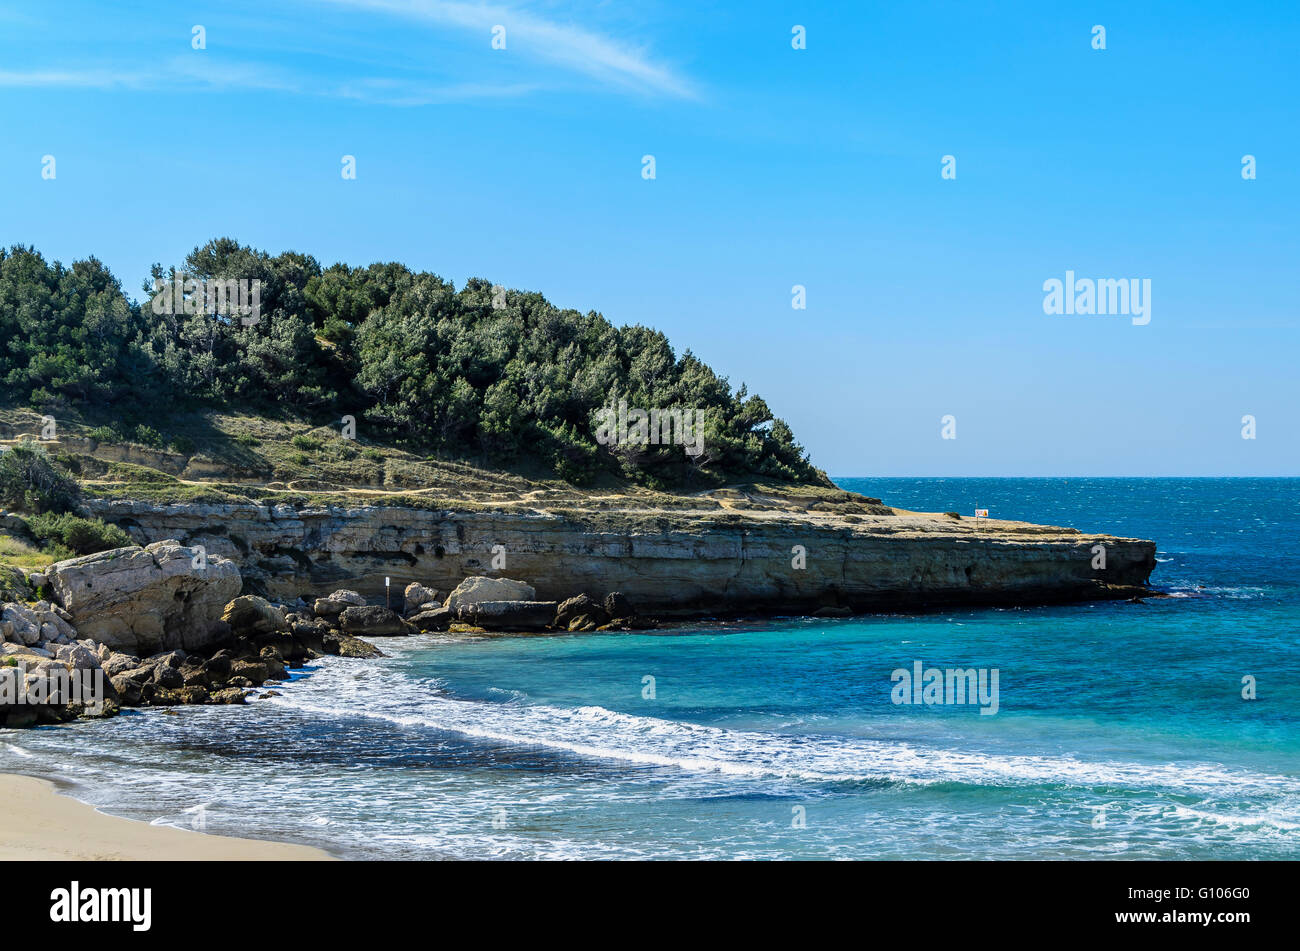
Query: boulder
(22, 653)
(274, 664)
(282, 642)
(137, 675)
(217, 667)
(328, 607)
(581, 606)
(143, 600)
(175, 659)
(226, 695)
(337, 602)
(155, 695)
(130, 693)
(253, 671)
(439, 619)
(416, 596)
(19, 624)
(509, 615)
(169, 677)
(373, 621)
(250, 615)
(477, 589)
(618, 606)
(308, 639)
(21, 717)
(77, 657)
(345, 645)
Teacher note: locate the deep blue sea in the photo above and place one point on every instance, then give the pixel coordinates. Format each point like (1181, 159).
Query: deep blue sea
(1121, 730)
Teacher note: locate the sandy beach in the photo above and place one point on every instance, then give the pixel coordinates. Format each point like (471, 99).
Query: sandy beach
(42, 824)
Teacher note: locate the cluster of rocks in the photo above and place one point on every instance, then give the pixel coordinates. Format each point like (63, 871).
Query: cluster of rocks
(165, 625)
(261, 645)
(502, 604)
(478, 603)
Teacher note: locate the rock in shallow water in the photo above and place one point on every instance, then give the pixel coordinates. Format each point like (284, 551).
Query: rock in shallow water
(438, 619)
(374, 621)
(509, 615)
(580, 606)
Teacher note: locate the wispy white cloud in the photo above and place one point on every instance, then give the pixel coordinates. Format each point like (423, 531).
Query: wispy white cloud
(576, 49)
(181, 71)
(190, 75)
(72, 78)
(568, 45)
(400, 92)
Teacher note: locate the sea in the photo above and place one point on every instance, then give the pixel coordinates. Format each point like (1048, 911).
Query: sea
(1166, 729)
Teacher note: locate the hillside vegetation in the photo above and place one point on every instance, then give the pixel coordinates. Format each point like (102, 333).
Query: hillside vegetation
(501, 378)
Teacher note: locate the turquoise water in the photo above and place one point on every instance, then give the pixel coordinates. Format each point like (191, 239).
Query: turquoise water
(1121, 730)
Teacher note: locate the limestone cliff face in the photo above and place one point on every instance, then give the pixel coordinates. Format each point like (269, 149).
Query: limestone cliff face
(666, 561)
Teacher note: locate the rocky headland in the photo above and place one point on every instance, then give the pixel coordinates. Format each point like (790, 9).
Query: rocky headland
(249, 564)
(774, 556)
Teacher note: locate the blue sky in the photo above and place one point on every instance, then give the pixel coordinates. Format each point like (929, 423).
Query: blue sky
(775, 167)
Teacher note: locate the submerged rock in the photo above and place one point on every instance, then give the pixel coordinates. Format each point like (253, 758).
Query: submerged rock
(345, 645)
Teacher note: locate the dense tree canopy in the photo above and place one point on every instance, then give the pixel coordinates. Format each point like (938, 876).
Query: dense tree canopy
(481, 370)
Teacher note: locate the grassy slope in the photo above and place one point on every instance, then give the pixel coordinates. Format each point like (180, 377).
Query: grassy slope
(255, 458)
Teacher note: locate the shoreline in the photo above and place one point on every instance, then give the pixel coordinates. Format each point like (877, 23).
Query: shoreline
(44, 823)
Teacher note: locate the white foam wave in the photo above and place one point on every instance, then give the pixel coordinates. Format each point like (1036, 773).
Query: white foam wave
(602, 734)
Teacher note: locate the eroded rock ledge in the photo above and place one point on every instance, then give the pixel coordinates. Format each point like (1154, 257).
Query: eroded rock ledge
(678, 561)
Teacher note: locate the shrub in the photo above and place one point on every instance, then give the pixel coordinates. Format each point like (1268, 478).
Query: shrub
(105, 434)
(183, 444)
(148, 436)
(30, 482)
(305, 443)
(952, 514)
(82, 536)
(247, 439)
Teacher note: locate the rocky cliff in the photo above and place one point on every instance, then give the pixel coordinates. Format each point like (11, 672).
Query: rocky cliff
(708, 559)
